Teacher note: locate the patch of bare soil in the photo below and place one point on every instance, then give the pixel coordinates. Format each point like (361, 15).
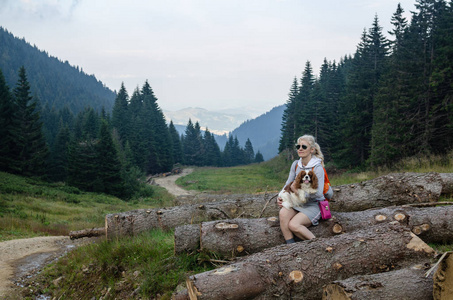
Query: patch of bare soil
(22, 258)
(168, 182)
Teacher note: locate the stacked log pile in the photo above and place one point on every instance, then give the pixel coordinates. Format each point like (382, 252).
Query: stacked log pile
(373, 247)
(236, 237)
(384, 191)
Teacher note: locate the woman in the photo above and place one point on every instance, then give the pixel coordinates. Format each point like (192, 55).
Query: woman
(294, 222)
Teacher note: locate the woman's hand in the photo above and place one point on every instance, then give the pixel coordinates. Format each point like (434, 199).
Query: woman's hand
(280, 202)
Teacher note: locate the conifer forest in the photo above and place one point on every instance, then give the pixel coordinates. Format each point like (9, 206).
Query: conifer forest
(391, 99)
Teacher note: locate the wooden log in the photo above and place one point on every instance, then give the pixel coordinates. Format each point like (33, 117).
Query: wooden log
(447, 183)
(388, 190)
(432, 224)
(443, 279)
(300, 270)
(408, 283)
(238, 237)
(136, 221)
(87, 233)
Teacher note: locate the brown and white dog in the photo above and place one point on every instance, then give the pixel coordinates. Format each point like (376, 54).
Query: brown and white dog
(304, 182)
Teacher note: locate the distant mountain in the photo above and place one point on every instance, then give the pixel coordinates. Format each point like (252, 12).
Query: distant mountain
(217, 122)
(52, 82)
(263, 132)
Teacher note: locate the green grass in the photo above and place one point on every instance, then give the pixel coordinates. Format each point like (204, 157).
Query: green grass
(30, 207)
(144, 264)
(271, 175)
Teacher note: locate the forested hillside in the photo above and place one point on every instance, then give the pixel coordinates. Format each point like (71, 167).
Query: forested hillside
(263, 131)
(392, 99)
(53, 83)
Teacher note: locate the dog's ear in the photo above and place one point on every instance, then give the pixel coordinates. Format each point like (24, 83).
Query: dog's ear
(298, 180)
(287, 188)
(299, 177)
(314, 179)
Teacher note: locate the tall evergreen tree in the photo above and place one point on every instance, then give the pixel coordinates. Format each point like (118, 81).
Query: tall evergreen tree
(177, 151)
(368, 65)
(287, 138)
(120, 117)
(249, 153)
(8, 157)
(108, 165)
(212, 155)
(31, 146)
(304, 104)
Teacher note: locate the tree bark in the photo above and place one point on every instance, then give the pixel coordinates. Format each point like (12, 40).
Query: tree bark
(299, 271)
(388, 190)
(408, 283)
(87, 233)
(136, 221)
(443, 279)
(236, 237)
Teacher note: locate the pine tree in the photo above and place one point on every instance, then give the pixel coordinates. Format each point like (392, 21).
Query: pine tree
(31, 146)
(259, 157)
(304, 104)
(108, 164)
(193, 145)
(177, 151)
(288, 128)
(120, 117)
(357, 107)
(8, 157)
(212, 155)
(249, 153)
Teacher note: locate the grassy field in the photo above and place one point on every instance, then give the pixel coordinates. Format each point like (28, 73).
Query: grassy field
(141, 266)
(30, 207)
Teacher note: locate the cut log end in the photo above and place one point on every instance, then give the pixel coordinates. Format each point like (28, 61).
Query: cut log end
(223, 225)
(399, 217)
(239, 249)
(380, 218)
(418, 245)
(337, 229)
(335, 292)
(272, 219)
(296, 276)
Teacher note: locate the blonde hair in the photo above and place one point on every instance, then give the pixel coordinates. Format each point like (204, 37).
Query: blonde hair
(311, 141)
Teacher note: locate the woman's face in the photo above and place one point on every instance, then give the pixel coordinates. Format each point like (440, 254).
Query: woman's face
(304, 149)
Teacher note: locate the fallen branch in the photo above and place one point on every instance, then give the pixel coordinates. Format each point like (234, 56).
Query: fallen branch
(87, 233)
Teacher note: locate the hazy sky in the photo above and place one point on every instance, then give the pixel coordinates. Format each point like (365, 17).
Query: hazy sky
(214, 54)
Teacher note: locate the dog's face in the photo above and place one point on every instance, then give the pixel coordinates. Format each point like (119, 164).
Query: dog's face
(307, 179)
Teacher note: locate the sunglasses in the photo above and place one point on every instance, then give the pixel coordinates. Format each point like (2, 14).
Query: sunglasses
(305, 147)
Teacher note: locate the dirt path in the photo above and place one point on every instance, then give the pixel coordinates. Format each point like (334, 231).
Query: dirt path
(24, 256)
(168, 182)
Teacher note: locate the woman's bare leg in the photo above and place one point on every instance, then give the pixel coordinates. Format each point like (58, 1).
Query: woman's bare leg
(298, 225)
(285, 216)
